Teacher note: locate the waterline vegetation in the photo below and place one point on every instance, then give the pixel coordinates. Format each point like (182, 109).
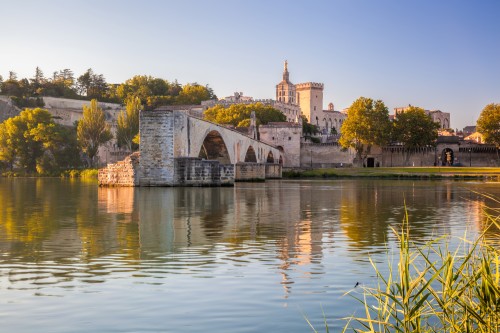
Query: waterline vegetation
(399, 172)
(434, 288)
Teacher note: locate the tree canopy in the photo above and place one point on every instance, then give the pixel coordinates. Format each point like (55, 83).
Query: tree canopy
(488, 124)
(367, 124)
(128, 123)
(153, 92)
(239, 114)
(92, 130)
(194, 94)
(414, 129)
(91, 84)
(33, 142)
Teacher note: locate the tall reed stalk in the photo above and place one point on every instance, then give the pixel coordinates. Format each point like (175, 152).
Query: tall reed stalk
(434, 289)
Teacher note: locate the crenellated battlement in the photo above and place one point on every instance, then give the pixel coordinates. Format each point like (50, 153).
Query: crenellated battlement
(310, 85)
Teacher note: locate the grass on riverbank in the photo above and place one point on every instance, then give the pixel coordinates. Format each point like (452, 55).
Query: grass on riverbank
(398, 172)
(82, 174)
(87, 174)
(433, 288)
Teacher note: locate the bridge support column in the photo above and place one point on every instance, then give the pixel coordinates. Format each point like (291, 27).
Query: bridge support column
(273, 171)
(157, 148)
(250, 171)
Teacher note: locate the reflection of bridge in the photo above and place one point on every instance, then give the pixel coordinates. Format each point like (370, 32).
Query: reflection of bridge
(180, 150)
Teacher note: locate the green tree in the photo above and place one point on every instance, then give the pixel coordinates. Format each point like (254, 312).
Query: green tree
(128, 123)
(92, 85)
(194, 94)
(24, 138)
(37, 81)
(367, 124)
(12, 87)
(239, 114)
(414, 129)
(7, 148)
(308, 128)
(92, 130)
(61, 151)
(143, 87)
(488, 125)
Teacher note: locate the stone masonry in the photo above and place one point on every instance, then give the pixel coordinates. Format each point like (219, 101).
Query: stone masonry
(123, 173)
(179, 150)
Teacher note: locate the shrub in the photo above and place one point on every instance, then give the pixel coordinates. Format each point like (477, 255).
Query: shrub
(89, 174)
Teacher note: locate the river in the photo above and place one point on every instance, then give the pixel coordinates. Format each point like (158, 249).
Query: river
(257, 257)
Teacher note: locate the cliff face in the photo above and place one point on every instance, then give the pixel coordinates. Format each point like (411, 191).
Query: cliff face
(7, 109)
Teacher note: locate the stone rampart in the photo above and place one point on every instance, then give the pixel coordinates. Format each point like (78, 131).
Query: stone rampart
(325, 155)
(123, 173)
(250, 172)
(479, 156)
(309, 85)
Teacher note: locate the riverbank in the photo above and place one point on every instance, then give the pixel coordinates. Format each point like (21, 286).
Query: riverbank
(490, 173)
(73, 173)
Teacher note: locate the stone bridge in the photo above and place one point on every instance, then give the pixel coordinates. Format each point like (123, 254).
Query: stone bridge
(177, 149)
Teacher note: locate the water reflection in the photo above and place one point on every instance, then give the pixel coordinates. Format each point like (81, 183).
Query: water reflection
(55, 231)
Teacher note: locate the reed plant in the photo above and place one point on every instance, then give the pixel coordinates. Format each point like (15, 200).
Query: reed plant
(434, 288)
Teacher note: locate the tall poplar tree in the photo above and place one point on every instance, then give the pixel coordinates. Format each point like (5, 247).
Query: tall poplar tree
(128, 123)
(93, 131)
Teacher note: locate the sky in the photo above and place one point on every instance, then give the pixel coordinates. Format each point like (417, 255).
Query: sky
(441, 55)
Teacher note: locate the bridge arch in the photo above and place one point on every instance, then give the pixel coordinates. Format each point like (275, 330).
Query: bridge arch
(250, 155)
(282, 154)
(214, 147)
(270, 157)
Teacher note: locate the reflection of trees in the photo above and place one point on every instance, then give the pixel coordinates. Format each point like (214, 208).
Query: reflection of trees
(58, 221)
(487, 208)
(293, 222)
(28, 213)
(368, 208)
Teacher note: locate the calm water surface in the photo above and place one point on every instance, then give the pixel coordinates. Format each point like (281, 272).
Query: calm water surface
(253, 258)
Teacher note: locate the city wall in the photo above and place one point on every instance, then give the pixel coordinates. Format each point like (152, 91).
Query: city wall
(325, 155)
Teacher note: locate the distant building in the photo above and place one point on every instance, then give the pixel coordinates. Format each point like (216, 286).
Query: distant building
(309, 97)
(476, 137)
(238, 97)
(438, 116)
(468, 130)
